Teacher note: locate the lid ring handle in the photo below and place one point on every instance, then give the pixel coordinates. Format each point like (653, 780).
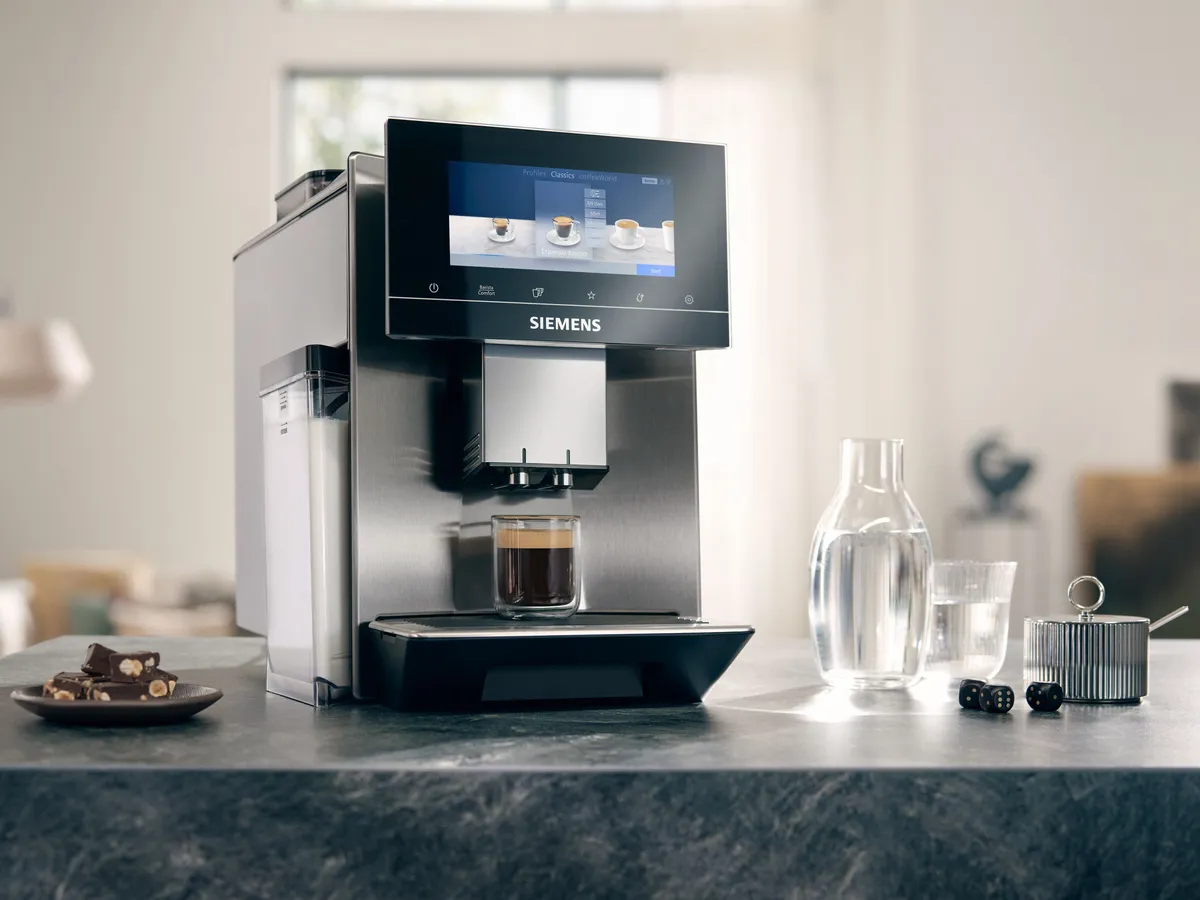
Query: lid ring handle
(1086, 611)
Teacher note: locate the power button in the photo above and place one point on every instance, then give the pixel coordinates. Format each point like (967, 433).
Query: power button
(433, 288)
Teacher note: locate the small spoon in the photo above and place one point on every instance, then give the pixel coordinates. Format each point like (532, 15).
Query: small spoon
(1169, 617)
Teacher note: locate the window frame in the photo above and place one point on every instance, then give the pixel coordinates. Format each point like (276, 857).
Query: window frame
(558, 82)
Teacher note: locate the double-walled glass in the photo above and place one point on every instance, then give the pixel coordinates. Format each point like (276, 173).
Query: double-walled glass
(536, 566)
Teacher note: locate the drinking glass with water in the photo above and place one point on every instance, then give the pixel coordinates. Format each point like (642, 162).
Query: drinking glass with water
(968, 628)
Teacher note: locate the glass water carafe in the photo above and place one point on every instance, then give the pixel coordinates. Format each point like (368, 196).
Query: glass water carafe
(871, 571)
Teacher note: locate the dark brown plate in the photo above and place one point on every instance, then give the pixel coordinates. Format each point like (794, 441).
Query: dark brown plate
(187, 700)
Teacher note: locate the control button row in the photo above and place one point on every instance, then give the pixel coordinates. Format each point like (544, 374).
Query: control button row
(488, 290)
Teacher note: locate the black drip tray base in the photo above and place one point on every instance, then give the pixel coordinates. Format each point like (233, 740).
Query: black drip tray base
(473, 661)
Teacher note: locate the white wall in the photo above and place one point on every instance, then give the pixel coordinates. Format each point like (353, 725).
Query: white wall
(1060, 204)
(133, 166)
(751, 426)
(1037, 247)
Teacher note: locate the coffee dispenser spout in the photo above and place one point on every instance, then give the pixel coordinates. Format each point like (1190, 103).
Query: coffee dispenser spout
(536, 418)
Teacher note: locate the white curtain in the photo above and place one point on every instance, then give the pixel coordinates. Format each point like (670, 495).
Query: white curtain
(753, 411)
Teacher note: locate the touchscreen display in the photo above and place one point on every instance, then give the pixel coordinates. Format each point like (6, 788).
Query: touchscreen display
(531, 236)
(560, 219)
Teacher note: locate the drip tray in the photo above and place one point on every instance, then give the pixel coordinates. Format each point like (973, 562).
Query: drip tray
(447, 661)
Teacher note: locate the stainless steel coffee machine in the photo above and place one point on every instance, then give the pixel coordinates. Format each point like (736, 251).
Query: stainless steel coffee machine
(521, 319)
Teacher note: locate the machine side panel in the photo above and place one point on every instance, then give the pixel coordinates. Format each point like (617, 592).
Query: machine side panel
(288, 290)
(405, 528)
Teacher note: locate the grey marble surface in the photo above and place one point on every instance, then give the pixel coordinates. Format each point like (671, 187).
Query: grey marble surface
(769, 711)
(774, 789)
(356, 835)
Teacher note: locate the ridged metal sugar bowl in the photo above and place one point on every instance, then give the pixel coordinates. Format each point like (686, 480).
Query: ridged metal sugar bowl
(1095, 659)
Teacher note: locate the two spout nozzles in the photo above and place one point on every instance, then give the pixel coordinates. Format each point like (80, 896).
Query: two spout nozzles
(540, 416)
(557, 480)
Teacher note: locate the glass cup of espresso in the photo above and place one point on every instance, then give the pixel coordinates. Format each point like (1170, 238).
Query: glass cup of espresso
(565, 226)
(501, 226)
(536, 566)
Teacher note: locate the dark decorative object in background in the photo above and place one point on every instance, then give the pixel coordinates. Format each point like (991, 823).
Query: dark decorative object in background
(1185, 421)
(999, 473)
(1139, 534)
(1000, 528)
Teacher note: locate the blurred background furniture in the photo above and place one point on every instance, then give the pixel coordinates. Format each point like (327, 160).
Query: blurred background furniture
(201, 606)
(1139, 533)
(71, 595)
(16, 621)
(38, 361)
(109, 594)
(1185, 421)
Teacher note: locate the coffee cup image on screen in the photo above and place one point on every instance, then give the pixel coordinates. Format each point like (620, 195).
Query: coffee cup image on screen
(627, 235)
(559, 219)
(502, 231)
(565, 232)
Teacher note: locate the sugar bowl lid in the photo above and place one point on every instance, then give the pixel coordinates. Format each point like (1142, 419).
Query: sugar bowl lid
(1088, 613)
(1095, 658)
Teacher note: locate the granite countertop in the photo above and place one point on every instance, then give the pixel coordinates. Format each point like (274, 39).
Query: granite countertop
(768, 712)
(774, 788)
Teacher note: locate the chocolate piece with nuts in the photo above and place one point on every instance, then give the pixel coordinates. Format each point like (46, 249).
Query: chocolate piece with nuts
(160, 684)
(137, 666)
(118, 690)
(68, 686)
(108, 676)
(96, 660)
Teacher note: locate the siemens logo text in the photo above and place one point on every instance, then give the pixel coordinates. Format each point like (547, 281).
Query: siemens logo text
(550, 323)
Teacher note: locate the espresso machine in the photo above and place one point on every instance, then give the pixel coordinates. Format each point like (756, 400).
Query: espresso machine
(517, 322)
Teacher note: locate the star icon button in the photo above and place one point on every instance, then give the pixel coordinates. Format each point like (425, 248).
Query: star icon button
(591, 295)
